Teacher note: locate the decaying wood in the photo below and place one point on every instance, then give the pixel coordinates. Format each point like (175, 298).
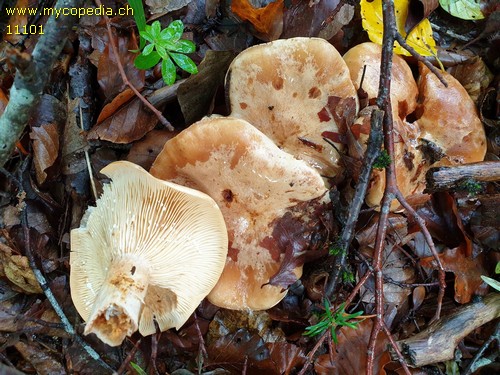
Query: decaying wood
(445, 178)
(438, 342)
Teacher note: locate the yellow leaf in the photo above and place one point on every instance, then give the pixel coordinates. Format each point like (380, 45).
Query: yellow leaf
(420, 38)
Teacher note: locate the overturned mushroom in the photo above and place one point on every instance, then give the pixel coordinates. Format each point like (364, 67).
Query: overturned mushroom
(255, 185)
(296, 91)
(149, 251)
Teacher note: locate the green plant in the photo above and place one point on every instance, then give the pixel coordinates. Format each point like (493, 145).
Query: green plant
(383, 160)
(166, 46)
(471, 186)
(138, 368)
(333, 320)
(348, 276)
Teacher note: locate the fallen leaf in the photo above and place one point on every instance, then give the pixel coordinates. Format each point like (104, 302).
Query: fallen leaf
(130, 123)
(115, 104)
(267, 21)
(196, 94)
(108, 75)
(45, 148)
(467, 271)
(418, 11)
(420, 37)
(145, 151)
(73, 143)
(3, 101)
(474, 76)
(464, 9)
(349, 355)
(44, 359)
(158, 7)
(17, 269)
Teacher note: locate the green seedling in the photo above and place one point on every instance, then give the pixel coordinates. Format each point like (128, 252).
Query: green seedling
(382, 161)
(166, 46)
(333, 320)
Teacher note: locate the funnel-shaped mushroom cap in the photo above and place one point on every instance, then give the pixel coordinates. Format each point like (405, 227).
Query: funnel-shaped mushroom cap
(448, 118)
(255, 184)
(149, 251)
(296, 91)
(403, 86)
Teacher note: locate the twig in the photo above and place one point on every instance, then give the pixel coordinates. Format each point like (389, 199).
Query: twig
(347, 234)
(31, 78)
(87, 158)
(437, 343)
(313, 351)
(495, 336)
(68, 327)
(128, 359)
(125, 79)
(418, 57)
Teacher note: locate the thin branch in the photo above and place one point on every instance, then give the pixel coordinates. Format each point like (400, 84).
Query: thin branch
(125, 79)
(68, 327)
(31, 78)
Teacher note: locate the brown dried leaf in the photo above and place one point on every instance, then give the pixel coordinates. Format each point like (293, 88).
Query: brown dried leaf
(145, 151)
(418, 11)
(17, 269)
(108, 75)
(196, 94)
(16, 23)
(130, 123)
(45, 148)
(74, 142)
(115, 104)
(350, 354)
(474, 76)
(43, 359)
(3, 101)
(159, 7)
(324, 19)
(467, 272)
(267, 21)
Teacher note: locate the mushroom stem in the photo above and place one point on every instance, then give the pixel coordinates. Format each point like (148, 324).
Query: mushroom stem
(118, 305)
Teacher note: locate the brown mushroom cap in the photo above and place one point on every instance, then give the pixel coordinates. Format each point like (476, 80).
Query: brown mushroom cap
(149, 251)
(404, 91)
(255, 184)
(296, 91)
(448, 118)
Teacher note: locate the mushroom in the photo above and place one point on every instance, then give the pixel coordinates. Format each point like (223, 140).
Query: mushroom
(409, 163)
(448, 118)
(149, 252)
(404, 91)
(296, 91)
(256, 185)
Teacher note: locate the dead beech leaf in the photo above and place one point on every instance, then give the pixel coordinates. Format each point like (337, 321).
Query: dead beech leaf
(16, 268)
(267, 21)
(145, 151)
(43, 359)
(74, 142)
(3, 101)
(165, 6)
(196, 94)
(324, 19)
(130, 123)
(467, 271)
(45, 148)
(349, 355)
(115, 104)
(418, 11)
(108, 75)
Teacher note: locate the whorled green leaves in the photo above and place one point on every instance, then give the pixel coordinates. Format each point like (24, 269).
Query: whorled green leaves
(166, 46)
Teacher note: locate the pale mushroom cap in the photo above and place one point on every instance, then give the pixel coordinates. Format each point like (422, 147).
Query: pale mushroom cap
(255, 184)
(294, 90)
(404, 91)
(176, 232)
(448, 117)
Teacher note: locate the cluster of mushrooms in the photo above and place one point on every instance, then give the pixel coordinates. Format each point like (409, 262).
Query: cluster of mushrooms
(202, 223)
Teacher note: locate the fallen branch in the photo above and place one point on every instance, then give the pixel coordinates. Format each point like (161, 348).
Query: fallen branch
(446, 178)
(31, 77)
(438, 342)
